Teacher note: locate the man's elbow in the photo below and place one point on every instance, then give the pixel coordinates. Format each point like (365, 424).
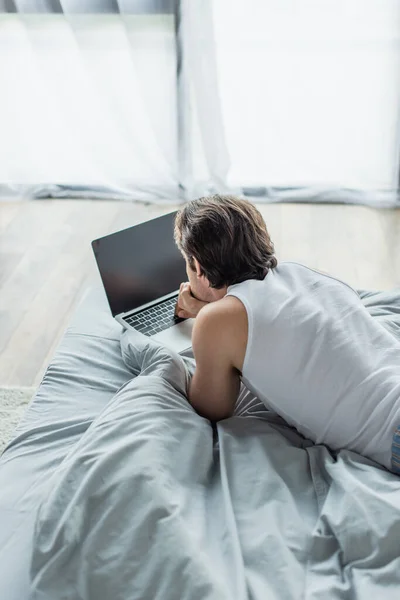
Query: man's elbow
(211, 411)
(213, 415)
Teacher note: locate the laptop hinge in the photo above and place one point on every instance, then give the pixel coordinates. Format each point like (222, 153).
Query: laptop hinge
(148, 305)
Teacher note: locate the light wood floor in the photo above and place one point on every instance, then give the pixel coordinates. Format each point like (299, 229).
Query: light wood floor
(46, 262)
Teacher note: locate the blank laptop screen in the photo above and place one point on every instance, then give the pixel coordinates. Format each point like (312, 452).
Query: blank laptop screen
(140, 264)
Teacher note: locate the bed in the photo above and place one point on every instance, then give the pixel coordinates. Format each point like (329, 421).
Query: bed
(111, 489)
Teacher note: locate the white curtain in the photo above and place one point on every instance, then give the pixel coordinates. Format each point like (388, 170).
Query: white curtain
(283, 100)
(309, 93)
(88, 106)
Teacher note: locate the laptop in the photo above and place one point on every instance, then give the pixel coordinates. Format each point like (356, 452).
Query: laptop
(141, 269)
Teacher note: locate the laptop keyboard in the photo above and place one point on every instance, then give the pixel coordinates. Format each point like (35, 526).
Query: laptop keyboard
(156, 318)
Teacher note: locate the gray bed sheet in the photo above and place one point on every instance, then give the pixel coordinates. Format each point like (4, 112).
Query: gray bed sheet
(258, 512)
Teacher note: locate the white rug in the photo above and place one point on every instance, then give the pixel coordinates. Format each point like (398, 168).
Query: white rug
(13, 403)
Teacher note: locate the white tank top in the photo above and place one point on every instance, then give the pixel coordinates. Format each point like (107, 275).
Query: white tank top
(316, 357)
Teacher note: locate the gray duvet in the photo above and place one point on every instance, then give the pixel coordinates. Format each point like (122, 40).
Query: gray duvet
(155, 503)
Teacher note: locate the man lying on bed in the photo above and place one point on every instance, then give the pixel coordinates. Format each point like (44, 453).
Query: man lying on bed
(302, 341)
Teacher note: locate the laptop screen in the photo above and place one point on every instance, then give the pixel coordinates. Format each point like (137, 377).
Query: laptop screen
(140, 264)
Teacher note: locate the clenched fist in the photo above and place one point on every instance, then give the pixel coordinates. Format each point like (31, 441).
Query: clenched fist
(187, 306)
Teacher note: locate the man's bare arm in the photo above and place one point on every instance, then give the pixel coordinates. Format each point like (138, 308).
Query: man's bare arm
(216, 382)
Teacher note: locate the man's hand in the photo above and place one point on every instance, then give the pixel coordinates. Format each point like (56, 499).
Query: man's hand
(188, 306)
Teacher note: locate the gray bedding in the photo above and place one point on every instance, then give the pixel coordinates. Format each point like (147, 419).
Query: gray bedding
(132, 495)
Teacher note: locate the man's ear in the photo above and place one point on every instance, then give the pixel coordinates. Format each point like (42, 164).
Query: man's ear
(197, 267)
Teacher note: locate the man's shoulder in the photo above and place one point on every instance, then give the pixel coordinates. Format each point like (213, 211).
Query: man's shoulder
(221, 331)
(227, 309)
(222, 326)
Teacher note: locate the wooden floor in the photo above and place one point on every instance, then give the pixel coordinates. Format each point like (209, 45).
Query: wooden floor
(46, 262)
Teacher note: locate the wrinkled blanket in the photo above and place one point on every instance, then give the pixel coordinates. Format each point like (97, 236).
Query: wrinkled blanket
(156, 503)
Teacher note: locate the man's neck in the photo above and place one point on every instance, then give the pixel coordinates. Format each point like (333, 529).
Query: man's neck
(217, 294)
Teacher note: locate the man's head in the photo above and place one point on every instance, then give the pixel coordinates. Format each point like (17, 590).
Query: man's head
(225, 241)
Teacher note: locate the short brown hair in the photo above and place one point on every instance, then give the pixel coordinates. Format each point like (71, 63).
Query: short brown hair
(228, 237)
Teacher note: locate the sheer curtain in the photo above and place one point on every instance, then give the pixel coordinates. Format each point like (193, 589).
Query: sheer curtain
(88, 105)
(306, 95)
(281, 100)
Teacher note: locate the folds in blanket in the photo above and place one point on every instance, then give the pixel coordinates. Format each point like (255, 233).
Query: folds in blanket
(147, 507)
(144, 356)
(131, 494)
